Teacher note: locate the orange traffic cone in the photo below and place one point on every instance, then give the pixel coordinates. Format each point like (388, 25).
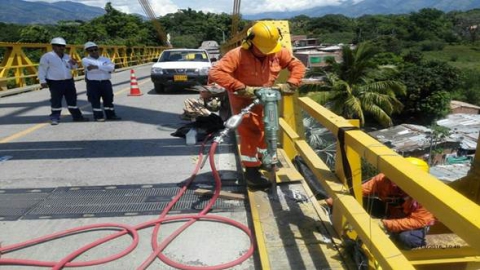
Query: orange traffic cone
(134, 90)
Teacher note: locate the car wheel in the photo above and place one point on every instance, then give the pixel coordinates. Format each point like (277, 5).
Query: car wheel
(159, 88)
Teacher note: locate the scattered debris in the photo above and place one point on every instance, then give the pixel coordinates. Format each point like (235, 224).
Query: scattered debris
(296, 196)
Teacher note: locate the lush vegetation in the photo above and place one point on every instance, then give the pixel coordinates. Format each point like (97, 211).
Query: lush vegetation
(188, 28)
(435, 55)
(413, 65)
(358, 87)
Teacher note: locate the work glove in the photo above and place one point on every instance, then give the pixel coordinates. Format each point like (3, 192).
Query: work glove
(381, 225)
(286, 88)
(247, 92)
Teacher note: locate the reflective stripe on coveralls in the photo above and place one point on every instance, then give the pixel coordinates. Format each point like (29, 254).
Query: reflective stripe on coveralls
(240, 68)
(58, 90)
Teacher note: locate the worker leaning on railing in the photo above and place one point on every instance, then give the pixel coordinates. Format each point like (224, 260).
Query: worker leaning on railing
(399, 215)
(243, 70)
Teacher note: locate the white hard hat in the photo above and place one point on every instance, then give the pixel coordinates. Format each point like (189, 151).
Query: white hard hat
(58, 41)
(89, 45)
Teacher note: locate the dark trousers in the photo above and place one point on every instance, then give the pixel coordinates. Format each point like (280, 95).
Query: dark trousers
(58, 90)
(411, 238)
(98, 91)
(407, 239)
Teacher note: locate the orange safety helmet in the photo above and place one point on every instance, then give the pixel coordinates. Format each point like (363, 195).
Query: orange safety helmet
(419, 163)
(265, 36)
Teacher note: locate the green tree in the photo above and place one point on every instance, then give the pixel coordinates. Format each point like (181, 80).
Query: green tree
(188, 28)
(94, 31)
(469, 90)
(298, 25)
(10, 32)
(466, 24)
(330, 23)
(372, 27)
(69, 31)
(429, 24)
(429, 84)
(35, 34)
(117, 28)
(358, 87)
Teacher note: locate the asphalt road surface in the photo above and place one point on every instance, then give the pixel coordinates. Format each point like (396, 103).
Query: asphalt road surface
(138, 150)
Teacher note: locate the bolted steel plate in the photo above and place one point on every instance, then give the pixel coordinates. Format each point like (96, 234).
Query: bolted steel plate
(109, 201)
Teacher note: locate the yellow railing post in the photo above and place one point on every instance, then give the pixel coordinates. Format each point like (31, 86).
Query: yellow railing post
(16, 60)
(17, 67)
(454, 210)
(470, 184)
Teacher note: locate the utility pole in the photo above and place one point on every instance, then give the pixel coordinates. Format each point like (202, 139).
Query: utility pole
(430, 135)
(235, 17)
(223, 34)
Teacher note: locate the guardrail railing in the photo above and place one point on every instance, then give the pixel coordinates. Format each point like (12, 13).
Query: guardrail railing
(19, 62)
(459, 214)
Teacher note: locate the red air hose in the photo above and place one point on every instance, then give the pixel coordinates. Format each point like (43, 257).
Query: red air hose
(190, 219)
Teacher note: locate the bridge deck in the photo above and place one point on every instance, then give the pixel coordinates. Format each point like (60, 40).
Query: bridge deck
(139, 152)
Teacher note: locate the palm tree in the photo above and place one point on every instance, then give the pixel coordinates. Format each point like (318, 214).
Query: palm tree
(357, 87)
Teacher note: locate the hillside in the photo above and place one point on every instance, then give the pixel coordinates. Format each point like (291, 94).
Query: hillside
(35, 12)
(350, 9)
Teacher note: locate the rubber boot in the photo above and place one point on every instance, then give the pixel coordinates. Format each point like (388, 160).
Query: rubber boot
(255, 179)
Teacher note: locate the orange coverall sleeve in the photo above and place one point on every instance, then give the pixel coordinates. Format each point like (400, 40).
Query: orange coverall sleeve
(239, 68)
(417, 219)
(377, 185)
(223, 72)
(295, 66)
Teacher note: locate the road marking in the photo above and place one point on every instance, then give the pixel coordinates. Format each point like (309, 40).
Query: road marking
(38, 126)
(22, 133)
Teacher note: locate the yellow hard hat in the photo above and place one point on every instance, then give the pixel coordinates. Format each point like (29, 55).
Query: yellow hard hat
(266, 37)
(419, 163)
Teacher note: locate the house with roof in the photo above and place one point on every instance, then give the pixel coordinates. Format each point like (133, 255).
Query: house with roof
(417, 141)
(463, 107)
(451, 156)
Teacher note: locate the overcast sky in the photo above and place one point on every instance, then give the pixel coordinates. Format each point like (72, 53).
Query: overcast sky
(162, 7)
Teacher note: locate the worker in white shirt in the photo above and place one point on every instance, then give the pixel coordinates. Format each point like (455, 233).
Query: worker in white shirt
(55, 72)
(98, 71)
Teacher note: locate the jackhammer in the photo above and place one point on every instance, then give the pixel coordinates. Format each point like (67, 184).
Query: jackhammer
(269, 98)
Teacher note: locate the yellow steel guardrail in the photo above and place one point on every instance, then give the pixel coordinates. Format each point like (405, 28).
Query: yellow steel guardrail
(19, 64)
(457, 212)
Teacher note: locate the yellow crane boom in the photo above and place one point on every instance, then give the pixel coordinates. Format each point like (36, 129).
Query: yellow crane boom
(235, 17)
(147, 8)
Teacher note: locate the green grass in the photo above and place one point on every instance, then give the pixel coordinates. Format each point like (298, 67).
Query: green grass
(459, 56)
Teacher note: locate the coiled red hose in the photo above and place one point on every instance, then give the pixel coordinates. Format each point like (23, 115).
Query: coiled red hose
(190, 219)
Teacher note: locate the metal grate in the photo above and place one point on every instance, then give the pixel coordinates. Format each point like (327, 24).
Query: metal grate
(14, 203)
(107, 201)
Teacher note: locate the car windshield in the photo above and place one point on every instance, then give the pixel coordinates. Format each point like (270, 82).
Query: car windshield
(175, 56)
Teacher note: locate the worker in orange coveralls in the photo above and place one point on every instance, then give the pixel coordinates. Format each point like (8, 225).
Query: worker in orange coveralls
(406, 220)
(403, 218)
(242, 71)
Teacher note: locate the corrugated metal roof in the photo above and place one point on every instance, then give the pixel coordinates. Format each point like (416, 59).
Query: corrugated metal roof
(464, 128)
(450, 173)
(403, 138)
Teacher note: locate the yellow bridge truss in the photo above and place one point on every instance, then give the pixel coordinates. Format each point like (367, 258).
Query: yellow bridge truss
(18, 69)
